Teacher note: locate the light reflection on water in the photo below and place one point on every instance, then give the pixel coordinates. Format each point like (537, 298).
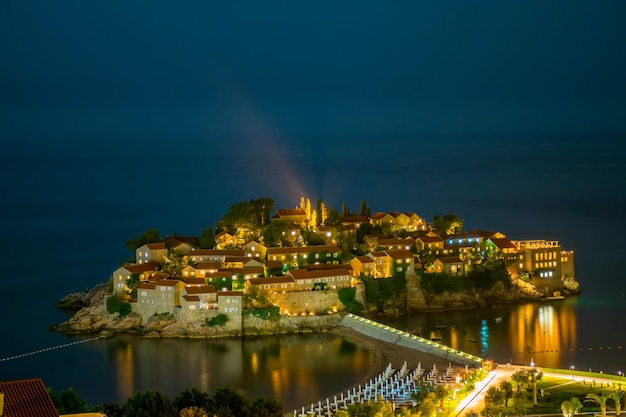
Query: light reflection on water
(296, 369)
(548, 333)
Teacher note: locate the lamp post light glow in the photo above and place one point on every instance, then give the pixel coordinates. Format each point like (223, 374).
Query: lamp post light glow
(571, 368)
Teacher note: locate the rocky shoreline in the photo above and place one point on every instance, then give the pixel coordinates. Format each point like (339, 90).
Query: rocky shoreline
(92, 317)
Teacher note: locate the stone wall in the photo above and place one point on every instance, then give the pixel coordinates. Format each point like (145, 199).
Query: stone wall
(307, 302)
(301, 324)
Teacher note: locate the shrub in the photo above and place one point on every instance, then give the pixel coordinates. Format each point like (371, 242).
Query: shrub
(117, 305)
(219, 320)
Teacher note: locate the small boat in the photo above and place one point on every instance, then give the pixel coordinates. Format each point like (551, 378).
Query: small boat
(473, 341)
(498, 319)
(440, 326)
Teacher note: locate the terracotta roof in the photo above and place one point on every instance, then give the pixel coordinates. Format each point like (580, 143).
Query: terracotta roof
(399, 254)
(430, 239)
(230, 293)
(146, 286)
(451, 260)
(395, 241)
(203, 289)
(139, 268)
(191, 298)
(217, 252)
(207, 265)
(236, 259)
(379, 215)
(168, 282)
(194, 281)
(289, 212)
(306, 274)
(155, 246)
(303, 249)
(503, 243)
(219, 274)
(27, 398)
(271, 280)
(316, 267)
(273, 264)
(364, 259)
(173, 243)
(482, 233)
(222, 233)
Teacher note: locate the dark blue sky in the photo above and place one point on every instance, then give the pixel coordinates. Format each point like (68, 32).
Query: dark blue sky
(301, 74)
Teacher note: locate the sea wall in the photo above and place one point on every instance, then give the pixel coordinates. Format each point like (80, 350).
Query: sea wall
(388, 334)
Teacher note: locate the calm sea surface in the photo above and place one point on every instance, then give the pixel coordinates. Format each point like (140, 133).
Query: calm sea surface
(66, 218)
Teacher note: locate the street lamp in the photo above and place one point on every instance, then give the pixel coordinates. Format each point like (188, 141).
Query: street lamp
(571, 368)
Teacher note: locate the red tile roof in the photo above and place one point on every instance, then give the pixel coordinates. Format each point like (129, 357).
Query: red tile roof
(203, 289)
(503, 243)
(451, 260)
(217, 252)
(305, 274)
(139, 268)
(156, 246)
(303, 249)
(400, 254)
(27, 398)
(430, 239)
(270, 280)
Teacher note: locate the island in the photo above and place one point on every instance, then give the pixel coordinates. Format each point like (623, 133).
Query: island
(300, 269)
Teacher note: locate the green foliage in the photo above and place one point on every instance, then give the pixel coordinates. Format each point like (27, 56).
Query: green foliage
(149, 236)
(150, 404)
(271, 314)
(192, 397)
(117, 305)
(439, 283)
(448, 224)
(275, 233)
(248, 214)
(334, 218)
(219, 320)
(68, 402)
(267, 407)
(132, 283)
(570, 407)
(207, 239)
(346, 296)
(379, 290)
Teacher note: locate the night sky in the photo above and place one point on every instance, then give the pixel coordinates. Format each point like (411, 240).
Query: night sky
(326, 91)
(303, 72)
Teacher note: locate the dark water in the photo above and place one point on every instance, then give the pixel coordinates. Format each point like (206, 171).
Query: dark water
(67, 213)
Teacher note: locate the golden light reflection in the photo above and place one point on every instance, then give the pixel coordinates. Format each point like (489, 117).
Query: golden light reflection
(542, 334)
(125, 372)
(255, 363)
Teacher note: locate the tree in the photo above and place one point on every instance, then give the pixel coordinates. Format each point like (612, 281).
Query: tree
(599, 399)
(441, 392)
(448, 224)
(318, 212)
(267, 407)
(507, 388)
(427, 407)
(68, 402)
(534, 375)
(570, 407)
(617, 397)
(333, 218)
(274, 234)
(191, 397)
(363, 209)
(226, 403)
(494, 401)
(520, 377)
(149, 236)
(193, 412)
(207, 239)
(263, 207)
(150, 404)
